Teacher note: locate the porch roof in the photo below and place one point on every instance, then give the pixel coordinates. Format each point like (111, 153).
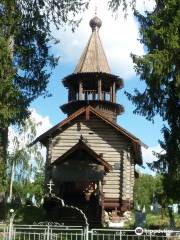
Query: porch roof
(81, 145)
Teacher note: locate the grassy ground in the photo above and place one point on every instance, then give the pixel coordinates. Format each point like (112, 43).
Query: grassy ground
(155, 221)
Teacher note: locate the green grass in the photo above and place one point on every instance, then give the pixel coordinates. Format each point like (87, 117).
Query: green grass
(155, 221)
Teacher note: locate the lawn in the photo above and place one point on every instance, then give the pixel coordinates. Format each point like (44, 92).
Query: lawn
(155, 221)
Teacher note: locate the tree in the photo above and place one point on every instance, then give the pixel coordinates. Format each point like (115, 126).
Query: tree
(34, 187)
(24, 162)
(26, 61)
(25, 58)
(159, 68)
(143, 190)
(146, 187)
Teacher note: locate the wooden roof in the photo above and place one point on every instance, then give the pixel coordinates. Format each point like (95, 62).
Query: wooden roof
(90, 77)
(87, 111)
(74, 105)
(93, 58)
(81, 145)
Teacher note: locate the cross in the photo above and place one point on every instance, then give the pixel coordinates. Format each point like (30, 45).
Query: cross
(50, 185)
(95, 10)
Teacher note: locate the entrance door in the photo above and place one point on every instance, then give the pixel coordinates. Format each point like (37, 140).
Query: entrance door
(85, 196)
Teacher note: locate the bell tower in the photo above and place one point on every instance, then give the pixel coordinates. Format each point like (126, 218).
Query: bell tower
(92, 82)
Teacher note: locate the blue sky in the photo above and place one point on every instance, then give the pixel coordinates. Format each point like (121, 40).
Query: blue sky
(119, 37)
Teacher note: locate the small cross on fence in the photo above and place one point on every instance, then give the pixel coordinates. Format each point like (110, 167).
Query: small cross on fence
(50, 186)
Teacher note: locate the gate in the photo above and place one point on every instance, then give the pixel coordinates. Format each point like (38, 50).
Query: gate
(36, 232)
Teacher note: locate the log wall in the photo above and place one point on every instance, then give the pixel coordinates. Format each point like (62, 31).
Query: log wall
(115, 148)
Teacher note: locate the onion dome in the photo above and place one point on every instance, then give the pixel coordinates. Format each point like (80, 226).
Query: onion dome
(95, 23)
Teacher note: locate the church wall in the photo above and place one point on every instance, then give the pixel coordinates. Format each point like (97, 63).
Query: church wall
(109, 113)
(114, 147)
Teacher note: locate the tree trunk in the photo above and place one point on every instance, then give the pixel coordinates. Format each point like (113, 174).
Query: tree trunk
(11, 181)
(9, 8)
(3, 156)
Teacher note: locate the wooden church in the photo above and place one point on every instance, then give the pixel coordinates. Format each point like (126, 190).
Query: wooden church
(90, 158)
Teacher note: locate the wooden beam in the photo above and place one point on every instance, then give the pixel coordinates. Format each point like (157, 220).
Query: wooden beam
(114, 92)
(111, 93)
(99, 89)
(102, 202)
(73, 94)
(80, 90)
(87, 113)
(69, 95)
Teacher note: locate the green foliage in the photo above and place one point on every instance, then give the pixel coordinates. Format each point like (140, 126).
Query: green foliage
(159, 68)
(34, 187)
(3, 139)
(155, 221)
(24, 162)
(30, 215)
(26, 61)
(146, 186)
(7, 91)
(25, 58)
(115, 4)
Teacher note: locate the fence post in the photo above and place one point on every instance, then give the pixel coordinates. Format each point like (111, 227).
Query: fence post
(87, 232)
(120, 234)
(11, 219)
(47, 233)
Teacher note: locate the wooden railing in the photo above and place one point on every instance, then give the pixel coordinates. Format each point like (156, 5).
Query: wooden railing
(90, 94)
(93, 95)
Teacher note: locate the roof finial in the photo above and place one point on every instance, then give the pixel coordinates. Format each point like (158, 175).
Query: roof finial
(95, 23)
(95, 10)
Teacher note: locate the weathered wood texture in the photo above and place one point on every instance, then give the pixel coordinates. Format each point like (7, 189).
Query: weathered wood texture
(109, 113)
(93, 58)
(115, 148)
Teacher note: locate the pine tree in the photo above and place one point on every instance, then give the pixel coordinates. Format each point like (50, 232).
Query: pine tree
(159, 68)
(25, 59)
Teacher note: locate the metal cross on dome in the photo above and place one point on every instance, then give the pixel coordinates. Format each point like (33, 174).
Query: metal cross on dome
(50, 186)
(95, 10)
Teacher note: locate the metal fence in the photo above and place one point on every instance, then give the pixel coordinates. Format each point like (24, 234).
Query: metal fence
(138, 234)
(36, 232)
(49, 232)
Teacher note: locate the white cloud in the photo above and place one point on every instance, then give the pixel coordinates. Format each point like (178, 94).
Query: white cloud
(145, 5)
(147, 154)
(22, 139)
(43, 122)
(119, 37)
(148, 157)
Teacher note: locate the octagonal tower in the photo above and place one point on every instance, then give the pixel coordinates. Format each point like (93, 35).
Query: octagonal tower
(92, 82)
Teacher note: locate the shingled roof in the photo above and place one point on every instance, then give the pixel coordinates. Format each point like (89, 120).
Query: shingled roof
(81, 145)
(93, 58)
(87, 110)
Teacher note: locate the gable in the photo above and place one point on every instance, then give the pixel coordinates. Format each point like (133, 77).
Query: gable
(83, 149)
(89, 113)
